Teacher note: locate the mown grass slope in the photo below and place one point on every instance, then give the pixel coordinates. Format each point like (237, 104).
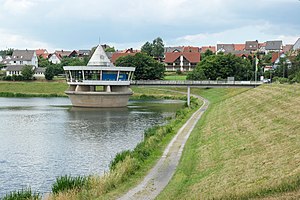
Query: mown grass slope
(32, 89)
(245, 146)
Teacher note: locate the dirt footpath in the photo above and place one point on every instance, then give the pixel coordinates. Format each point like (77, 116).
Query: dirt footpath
(161, 174)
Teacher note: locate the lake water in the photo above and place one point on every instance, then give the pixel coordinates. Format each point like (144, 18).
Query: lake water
(43, 138)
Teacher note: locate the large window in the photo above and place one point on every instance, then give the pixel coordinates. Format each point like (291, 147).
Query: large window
(76, 75)
(92, 74)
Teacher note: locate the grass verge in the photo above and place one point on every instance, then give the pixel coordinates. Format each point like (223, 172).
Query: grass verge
(32, 89)
(246, 146)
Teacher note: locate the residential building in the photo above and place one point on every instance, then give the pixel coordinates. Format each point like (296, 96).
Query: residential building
(17, 70)
(225, 48)
(14, 70)
(287, 48)
(24, 57)
(83, 53)
(190, 49)
(251, 45)
(5, 60)
(242, 53)
(39, 72)
(239, 47)
(205, 48)
(73, 54)
(42, 52)
(262, 47)
(119, 54)
(277, 60)
(296, 45)
(63, 53)
(275, 45)
(173, 49)
(183, 61)
(55, 58)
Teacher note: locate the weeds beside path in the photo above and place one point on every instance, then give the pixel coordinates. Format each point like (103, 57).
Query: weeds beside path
(163, 171)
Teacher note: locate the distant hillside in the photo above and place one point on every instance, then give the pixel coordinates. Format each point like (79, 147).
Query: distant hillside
(246, 146)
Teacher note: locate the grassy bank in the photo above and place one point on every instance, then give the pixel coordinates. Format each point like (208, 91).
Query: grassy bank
(32, 89)
(246, 146)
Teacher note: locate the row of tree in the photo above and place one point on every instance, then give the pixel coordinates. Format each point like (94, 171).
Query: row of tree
(221, 66)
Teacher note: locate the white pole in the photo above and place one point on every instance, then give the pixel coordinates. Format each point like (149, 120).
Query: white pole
(188, 96)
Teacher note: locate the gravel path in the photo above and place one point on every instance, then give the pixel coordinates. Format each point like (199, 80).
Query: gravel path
(161, 174)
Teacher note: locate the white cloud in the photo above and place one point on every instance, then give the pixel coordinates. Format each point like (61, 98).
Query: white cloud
(18, 6)
(236, 35)
(12, 40)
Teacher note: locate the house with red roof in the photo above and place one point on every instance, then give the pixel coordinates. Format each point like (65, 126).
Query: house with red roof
(183, 61)
(42, 53)
(191, 49)
(239, 47)
(205, 48)
(119, 54)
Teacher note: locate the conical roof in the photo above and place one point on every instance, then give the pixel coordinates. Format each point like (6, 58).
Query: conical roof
(99, 58)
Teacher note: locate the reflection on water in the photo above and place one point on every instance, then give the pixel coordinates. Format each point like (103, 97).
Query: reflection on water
(43, 138)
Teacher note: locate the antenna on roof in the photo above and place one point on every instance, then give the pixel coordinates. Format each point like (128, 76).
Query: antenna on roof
(99, 40)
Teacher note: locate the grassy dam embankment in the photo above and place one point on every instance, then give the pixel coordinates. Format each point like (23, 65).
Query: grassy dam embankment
(247, 146)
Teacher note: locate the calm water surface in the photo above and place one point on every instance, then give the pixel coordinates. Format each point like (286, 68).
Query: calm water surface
(43, 138)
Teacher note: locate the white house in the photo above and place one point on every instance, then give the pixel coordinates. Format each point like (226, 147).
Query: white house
(24, 57)
(14, 70)
(286, 60)
(275, 46)
(55, 58)
(17, 70)
(39, 72)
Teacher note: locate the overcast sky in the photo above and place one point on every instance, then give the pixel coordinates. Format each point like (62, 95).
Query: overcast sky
(78, 24)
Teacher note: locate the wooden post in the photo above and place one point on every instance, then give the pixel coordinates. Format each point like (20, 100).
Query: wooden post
(188, 96)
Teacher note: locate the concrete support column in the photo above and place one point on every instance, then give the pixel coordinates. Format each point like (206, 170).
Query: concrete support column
(188, 96)
(108, 89)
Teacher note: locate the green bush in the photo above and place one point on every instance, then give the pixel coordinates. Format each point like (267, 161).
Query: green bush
(280, 80)
(151, 131)
(22, 195)
(65, 183)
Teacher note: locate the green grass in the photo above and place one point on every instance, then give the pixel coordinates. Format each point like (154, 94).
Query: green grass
(175, 77)
(65, 183)
(245, 146)
(24, 194)
(32, 89)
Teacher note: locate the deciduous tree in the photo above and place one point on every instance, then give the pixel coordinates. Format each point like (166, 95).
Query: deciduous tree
(222, 66)
(27, 72)
(145, 66)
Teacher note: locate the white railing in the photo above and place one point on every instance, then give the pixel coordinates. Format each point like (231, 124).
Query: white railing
(195, 83)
